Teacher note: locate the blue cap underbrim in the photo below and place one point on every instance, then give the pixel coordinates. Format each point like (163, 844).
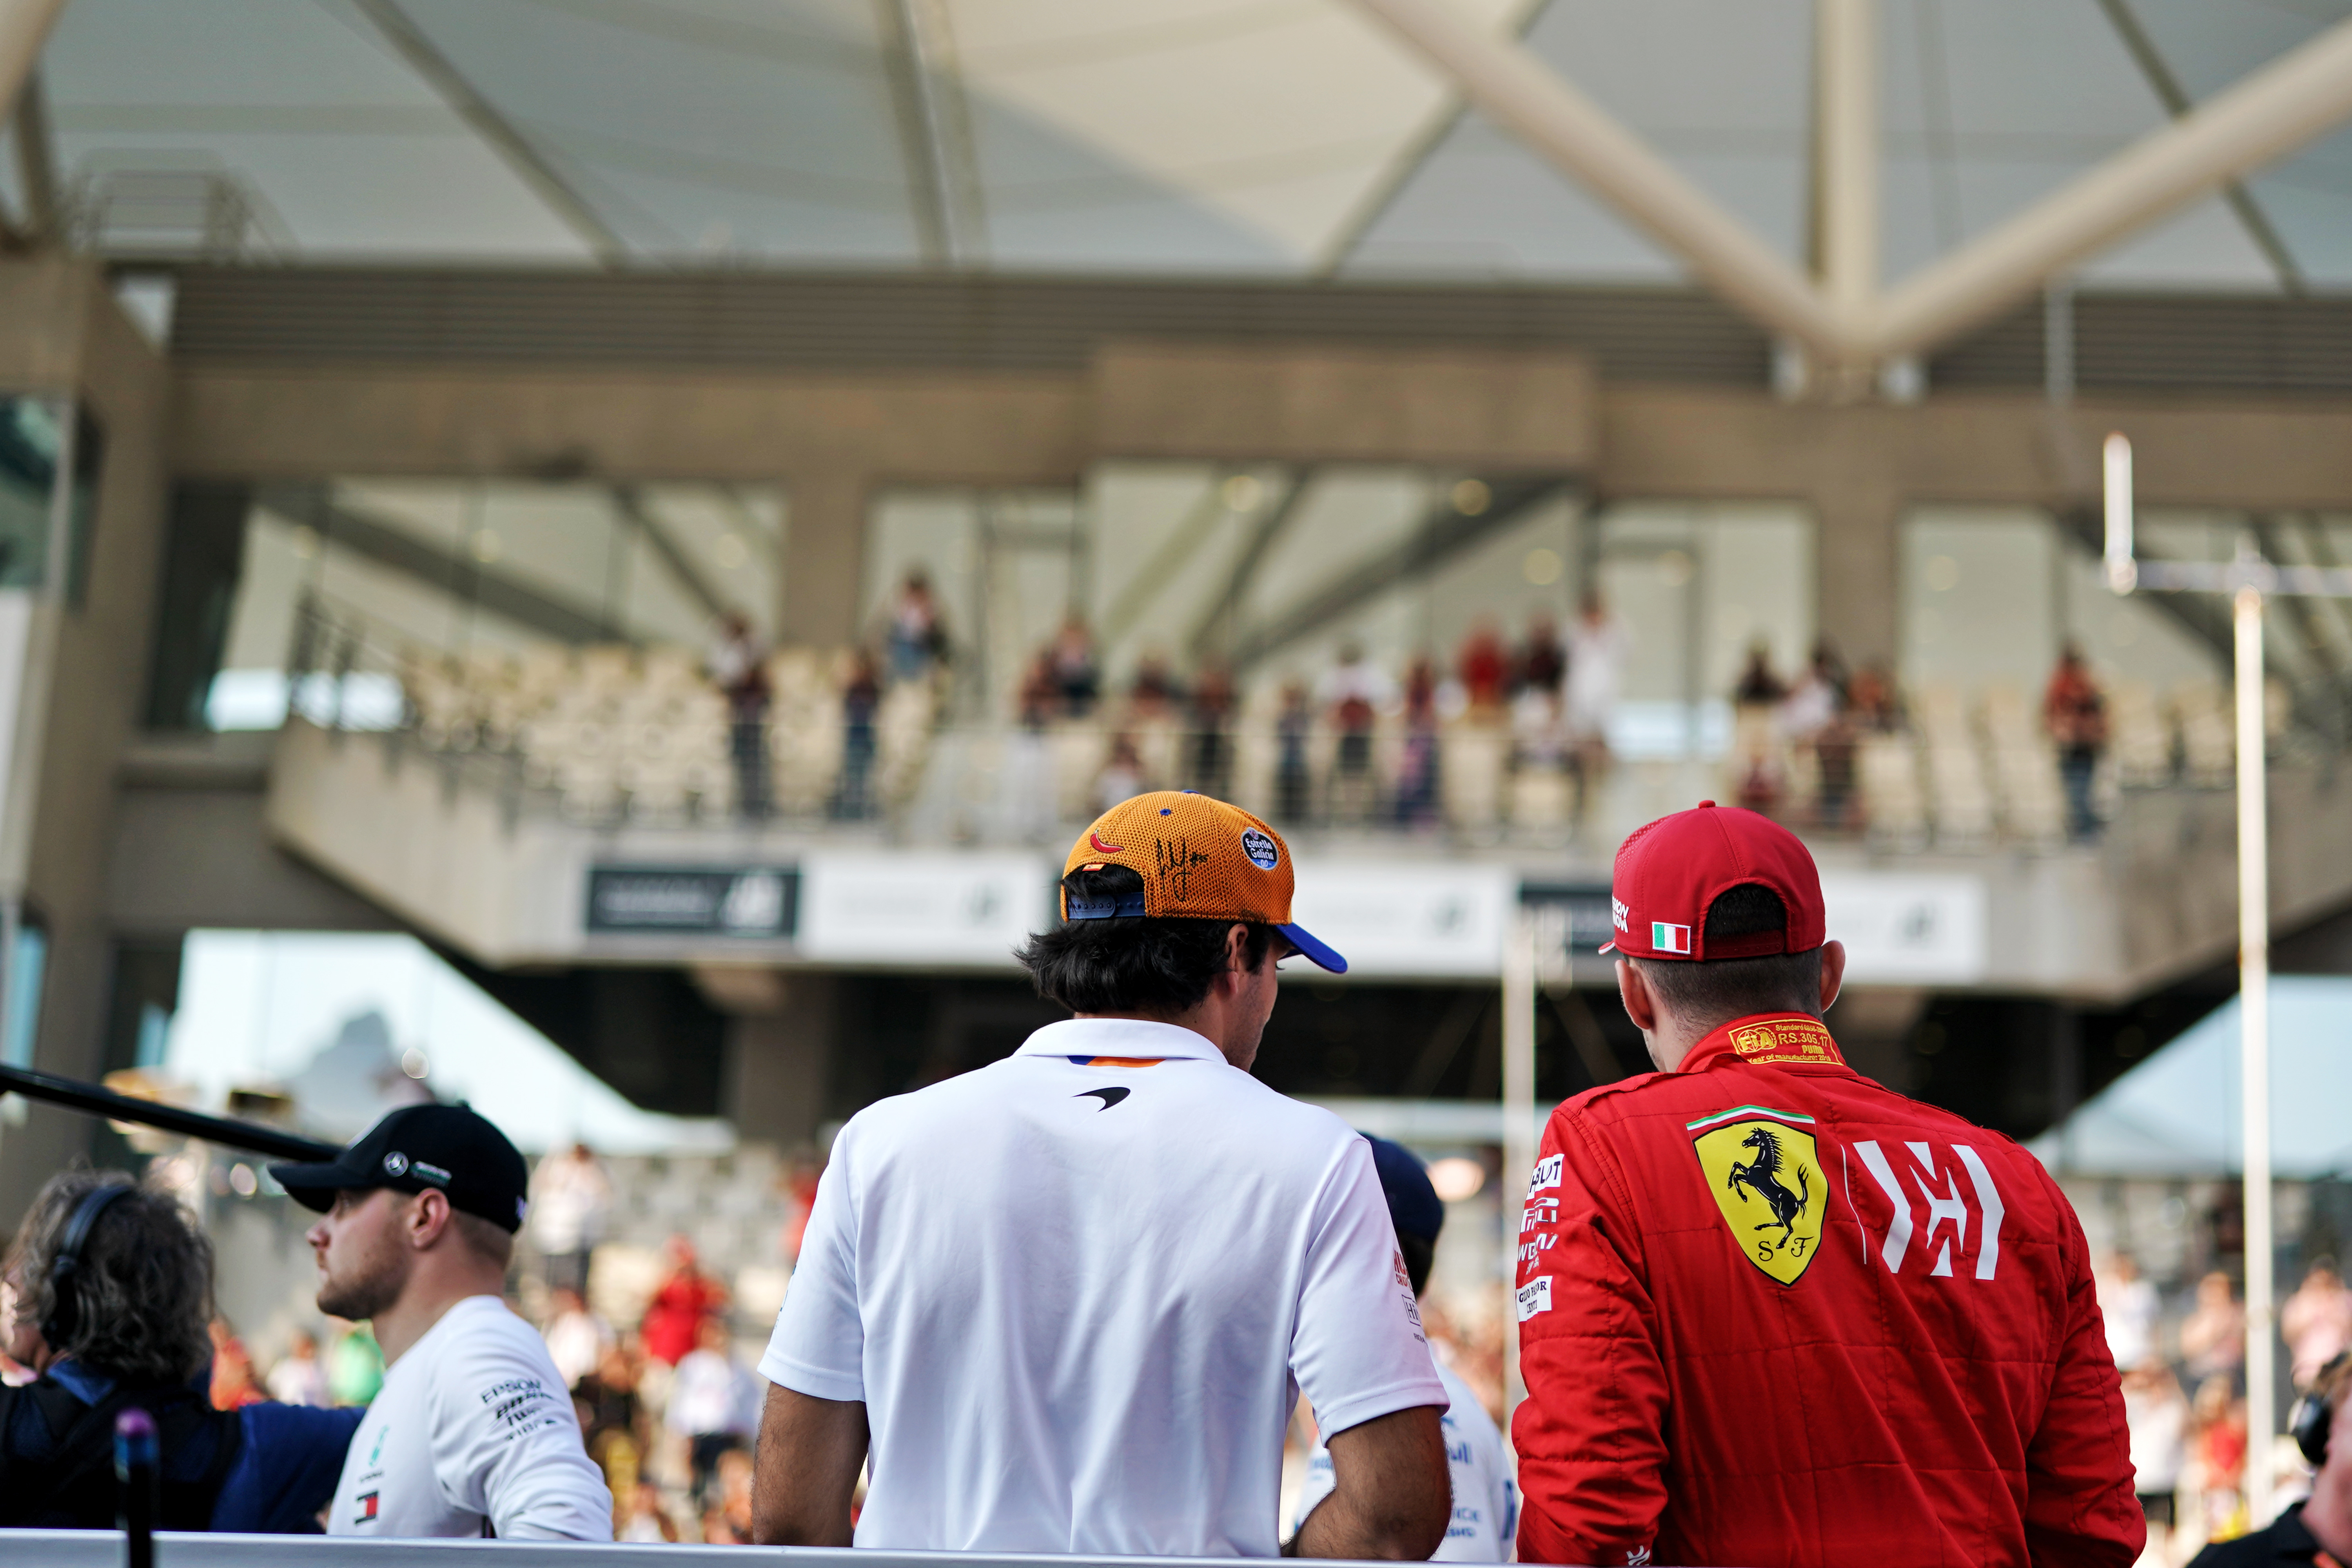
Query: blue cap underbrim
(1315, 952)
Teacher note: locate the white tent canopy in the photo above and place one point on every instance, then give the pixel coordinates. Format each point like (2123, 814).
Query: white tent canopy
(2178, 1113)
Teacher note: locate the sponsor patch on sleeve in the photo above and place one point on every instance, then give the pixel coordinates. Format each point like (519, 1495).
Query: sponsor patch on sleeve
(1534, 1297)
(1547, 1175)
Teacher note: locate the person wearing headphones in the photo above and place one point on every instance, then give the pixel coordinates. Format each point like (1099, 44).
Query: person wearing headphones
(106, 1294)
(2318, 1529)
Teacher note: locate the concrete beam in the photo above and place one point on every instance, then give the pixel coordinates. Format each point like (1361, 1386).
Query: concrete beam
(1471, 408)
(2264, 116)
(1573, 133)
(24, 28)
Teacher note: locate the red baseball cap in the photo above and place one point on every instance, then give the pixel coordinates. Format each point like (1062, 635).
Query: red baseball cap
(1670, 871)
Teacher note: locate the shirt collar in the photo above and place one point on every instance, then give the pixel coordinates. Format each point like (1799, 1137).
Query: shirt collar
(1780, 1039)
(1117, 1037)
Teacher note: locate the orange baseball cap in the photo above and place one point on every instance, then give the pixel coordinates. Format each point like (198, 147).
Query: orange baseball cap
(1199, 859)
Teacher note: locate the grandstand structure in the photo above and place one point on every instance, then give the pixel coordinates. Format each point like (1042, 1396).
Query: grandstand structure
(385, 439)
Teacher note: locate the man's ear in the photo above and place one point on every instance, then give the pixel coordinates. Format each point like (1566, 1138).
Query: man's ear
(428, 1216)
(1833, 973)
(1633, 990)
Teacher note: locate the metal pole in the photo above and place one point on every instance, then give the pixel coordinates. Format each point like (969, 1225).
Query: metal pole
(1518, 1124)
(2255, 1049)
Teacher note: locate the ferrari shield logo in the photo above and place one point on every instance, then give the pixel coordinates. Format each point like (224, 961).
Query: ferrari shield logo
(1766, 1176)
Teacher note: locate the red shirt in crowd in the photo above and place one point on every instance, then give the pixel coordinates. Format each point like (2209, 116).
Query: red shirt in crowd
(674, 1315)
(1771, 1313)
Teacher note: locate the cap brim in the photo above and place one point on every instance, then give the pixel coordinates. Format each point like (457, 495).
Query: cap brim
(1606, 947)
(315, 1186)
(1313, 950)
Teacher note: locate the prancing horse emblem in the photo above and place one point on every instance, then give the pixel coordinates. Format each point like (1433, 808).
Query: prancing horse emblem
(1761, 1176)
(1765, 1172)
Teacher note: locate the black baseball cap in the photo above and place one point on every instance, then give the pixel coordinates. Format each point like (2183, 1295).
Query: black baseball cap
(449, 1149)
(1413, 1206)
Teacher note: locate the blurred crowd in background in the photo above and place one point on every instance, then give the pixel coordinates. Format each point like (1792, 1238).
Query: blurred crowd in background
(1515, 729)
(660, 1352)
(2182, 1354)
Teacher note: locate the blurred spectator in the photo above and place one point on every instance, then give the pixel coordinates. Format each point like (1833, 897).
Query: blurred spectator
(914, 640)
(644, 1521)
(1597, 646)
(861, 694)
(1416, 793)
(1871, 700)
(1213, 716)
(2157, 1413)
(1074, 672)
(2317, 1322)
(1121, 777)
(2213, 1336)
(1294, 785)
(1759, 687)
(1154, 693)
(2221, 1425)
(1041, 696)
(235, 1385)
(799, 1183)
(570, 1199)
(684, 1297)
(2075, 711)
(1539, 737)
(2129, 1305)
(354, 1366)
(1543, 661)
(1484, 665)
(1353, 692)
(713, 1403)
(729, 1521)
(297, 1378)
(611, 1418)
(739, 667)
(1817, 697)
(577, 1338)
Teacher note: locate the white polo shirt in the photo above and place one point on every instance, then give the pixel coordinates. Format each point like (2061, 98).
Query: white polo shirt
(1079, 1289)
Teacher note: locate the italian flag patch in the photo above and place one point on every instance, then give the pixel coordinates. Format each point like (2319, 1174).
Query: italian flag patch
(1667, 938)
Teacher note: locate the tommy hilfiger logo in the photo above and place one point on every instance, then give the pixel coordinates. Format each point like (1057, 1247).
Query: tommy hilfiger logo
(366, 1502)
(1667, 938)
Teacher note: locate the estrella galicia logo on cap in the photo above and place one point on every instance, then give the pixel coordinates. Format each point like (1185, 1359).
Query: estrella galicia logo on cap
(1259, 847)
(395, 1164)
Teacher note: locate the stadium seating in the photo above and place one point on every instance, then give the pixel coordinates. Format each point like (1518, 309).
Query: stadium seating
(608, 733)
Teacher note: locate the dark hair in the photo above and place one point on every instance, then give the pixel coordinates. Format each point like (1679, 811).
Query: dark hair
(1419, 1253)
(1718, 990)
(1131, 963)
(143, 1295)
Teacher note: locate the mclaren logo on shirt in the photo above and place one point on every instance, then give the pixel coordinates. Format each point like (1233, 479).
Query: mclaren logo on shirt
(1766, 1176)
(1109, 1096)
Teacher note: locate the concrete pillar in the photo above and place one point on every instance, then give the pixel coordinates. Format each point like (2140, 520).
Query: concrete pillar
(777, 1075)
(824, 549)
(61, 333)
(1855, 563)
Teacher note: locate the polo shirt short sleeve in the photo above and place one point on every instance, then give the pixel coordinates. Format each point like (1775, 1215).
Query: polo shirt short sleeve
(1079, 1289)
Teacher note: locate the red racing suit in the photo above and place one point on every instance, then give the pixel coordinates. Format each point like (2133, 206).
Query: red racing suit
(1771, 1313)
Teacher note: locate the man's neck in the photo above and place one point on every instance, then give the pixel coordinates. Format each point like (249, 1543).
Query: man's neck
(426, 1302)
(1203, 1021)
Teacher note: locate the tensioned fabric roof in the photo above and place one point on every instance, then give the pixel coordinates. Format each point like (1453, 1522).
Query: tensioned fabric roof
(1267, 137)
(2177, 1113)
